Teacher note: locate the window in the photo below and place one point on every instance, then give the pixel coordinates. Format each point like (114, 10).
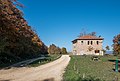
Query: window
(81, 42)
(97, 51)
(91, 42)
(88, 42)
(97, 42)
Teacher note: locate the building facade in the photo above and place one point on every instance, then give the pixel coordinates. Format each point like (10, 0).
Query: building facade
(88, 45)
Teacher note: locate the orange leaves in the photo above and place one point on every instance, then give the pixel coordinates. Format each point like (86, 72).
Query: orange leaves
(16, 33)
(116, 45)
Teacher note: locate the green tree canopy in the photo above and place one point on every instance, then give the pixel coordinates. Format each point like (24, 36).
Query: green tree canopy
(107, 48)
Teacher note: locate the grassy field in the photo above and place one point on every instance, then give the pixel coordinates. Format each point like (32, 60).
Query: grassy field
(48, 59)
(83, 68)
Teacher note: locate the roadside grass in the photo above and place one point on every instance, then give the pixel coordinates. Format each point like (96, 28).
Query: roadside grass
(83, 68)
(49, 58)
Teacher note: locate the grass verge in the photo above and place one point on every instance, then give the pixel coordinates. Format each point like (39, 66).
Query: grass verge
(48, 59)
(83, 68)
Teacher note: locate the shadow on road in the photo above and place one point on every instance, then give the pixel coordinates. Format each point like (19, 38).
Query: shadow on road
(50, 79)
(4, 80)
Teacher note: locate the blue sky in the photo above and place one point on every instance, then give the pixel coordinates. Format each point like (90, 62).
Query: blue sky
(60, 21)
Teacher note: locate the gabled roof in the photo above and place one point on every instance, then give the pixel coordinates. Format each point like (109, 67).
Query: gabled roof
(88, 37)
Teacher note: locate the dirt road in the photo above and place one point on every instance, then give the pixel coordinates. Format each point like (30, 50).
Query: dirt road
(49, 72)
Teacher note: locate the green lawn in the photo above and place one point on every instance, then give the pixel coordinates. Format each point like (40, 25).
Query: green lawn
(83, 68)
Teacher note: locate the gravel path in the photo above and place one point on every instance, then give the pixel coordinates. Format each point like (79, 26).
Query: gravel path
(48, 72)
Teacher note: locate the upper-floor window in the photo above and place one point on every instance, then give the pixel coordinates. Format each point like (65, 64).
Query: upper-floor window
(81, 42)
(97, 42)
(91, 42)
(88, 42)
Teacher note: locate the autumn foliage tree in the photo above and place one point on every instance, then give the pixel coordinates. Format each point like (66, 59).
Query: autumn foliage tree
(53, 49)
(63, 50)
(116, 44)
(17, 39)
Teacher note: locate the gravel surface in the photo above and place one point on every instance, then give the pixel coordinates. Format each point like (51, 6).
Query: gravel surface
(52, 71)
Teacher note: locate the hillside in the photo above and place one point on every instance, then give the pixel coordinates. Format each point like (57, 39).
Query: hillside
(17, 39)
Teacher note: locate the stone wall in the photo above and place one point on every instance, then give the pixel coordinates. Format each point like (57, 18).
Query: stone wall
(84, 47)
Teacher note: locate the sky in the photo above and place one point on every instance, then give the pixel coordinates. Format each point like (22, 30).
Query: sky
(60, 21)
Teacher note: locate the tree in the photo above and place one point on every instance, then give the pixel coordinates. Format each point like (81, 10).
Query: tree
(92, 34)
(53, 49)
(57, 50)
(63, 50)
(83, 33)
(107, 48)
(116, 44)
(17, 39)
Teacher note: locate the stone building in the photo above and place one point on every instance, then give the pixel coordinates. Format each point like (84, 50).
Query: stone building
(88, 45)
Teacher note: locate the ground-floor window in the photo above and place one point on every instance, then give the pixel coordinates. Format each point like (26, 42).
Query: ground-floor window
(97, 51)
